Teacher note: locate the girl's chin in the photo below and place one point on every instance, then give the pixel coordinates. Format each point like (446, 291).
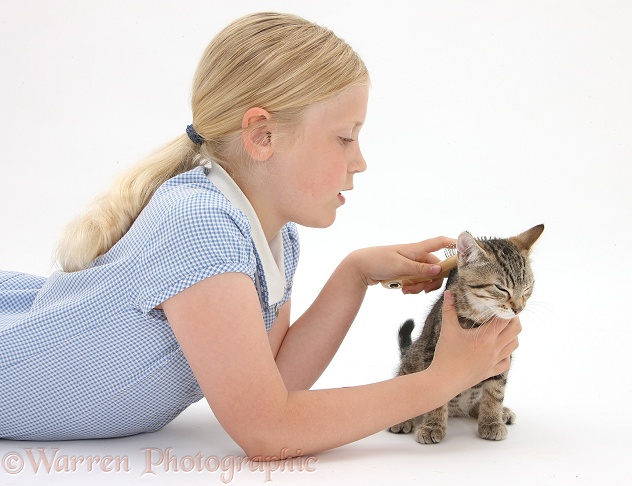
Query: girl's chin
(324, 222)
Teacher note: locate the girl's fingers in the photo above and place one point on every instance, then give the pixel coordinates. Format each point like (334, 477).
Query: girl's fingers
(511, 331)
(502, 366)
(449, 311)
(419, 251)
(423, 265)
(428, 286)
(430, 258)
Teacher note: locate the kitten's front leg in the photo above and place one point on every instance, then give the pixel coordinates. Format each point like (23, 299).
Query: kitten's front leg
(432, 427)
(403, 428)
(492, 416)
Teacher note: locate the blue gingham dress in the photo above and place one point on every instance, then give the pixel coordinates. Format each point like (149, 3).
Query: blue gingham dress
(86, 355)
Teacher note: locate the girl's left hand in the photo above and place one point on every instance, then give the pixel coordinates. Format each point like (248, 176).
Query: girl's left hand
(381, 263)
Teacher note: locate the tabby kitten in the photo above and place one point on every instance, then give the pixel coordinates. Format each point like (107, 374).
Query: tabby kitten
(493, 278)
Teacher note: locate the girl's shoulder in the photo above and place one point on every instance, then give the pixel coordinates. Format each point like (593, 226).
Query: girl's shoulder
(193, 184)
(187, 219)
(191, 199)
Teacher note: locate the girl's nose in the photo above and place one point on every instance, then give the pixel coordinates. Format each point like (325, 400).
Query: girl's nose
(357, 164)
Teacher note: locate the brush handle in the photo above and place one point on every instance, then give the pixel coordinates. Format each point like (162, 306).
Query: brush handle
(446, 266)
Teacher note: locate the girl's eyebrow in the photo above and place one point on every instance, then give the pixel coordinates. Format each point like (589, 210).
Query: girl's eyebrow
(357, 124)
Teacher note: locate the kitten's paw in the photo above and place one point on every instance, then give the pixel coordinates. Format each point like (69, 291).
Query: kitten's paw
(508, 416)
(429, 435)
(403, 428)
(493, 431)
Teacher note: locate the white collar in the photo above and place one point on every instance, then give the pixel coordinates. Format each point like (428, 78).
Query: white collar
(272, 254)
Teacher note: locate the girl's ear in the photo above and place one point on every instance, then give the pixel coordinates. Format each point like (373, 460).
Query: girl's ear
(257, 134)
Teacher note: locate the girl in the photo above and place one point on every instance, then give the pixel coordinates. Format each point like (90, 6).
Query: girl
(176, 284)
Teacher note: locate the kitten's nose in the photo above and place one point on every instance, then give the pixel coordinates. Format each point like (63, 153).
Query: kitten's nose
(517, 310)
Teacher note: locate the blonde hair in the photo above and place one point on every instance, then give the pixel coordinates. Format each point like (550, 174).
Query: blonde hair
(279, 62)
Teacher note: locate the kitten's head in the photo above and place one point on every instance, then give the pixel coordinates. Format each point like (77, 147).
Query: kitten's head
(494, 276)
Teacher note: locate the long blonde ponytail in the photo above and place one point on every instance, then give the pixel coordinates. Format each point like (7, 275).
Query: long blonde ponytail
(278, 62)
(110, 215)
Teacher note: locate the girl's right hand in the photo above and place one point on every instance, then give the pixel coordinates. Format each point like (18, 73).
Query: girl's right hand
(468, 356)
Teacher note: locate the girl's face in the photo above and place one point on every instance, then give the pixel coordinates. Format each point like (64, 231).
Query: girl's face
(315, 169)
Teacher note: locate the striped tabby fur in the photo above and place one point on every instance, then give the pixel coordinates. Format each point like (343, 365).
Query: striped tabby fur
(493, 279)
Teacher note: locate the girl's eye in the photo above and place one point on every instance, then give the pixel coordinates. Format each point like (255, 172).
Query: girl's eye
(345, 141)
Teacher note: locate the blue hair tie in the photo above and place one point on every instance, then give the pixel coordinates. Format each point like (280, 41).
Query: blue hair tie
(195, 137)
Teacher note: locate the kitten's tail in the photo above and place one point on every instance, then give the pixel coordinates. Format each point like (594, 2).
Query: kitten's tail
(405, 333)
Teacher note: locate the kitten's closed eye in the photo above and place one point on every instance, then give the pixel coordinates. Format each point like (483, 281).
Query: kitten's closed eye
(503, 289)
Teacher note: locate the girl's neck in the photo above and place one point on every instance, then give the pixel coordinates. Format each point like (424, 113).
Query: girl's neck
(253, 186)
(261, 203)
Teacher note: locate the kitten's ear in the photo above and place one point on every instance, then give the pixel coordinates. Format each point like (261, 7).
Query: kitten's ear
(525, 240)
(468, 249)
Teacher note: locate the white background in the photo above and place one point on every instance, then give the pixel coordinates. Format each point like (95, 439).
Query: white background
(491, 116)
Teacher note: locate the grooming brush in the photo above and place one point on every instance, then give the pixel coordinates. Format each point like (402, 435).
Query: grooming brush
(446, 267)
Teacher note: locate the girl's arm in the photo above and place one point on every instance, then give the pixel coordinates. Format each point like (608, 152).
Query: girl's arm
(312, 341)
(220, 329)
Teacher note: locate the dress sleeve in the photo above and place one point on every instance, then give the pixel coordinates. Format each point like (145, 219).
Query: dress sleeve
(196, 239)
(291, 247)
